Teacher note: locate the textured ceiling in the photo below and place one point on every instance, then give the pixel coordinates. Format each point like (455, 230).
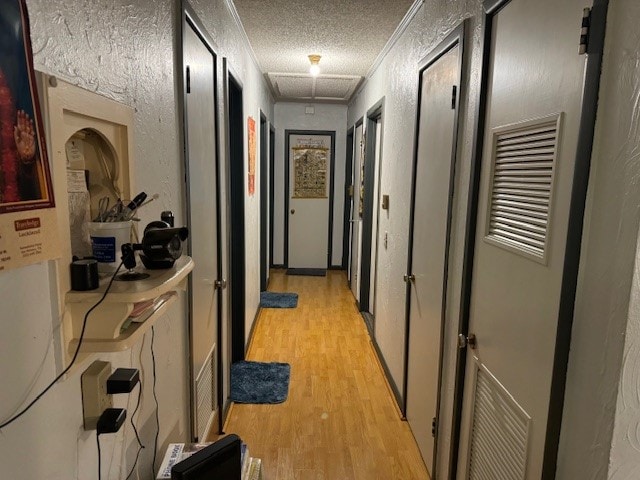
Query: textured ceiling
(349, 34)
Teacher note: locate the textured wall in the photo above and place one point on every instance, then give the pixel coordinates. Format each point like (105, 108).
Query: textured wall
(606, 272)
(397, 81)
(609, 246)
(291, 116)
(124, 53)
(124, 50)
(624, 460)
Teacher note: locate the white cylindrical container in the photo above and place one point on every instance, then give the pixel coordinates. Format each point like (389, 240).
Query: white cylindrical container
(106, 243)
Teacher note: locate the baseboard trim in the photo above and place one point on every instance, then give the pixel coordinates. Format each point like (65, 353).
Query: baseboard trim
(279, 266)
(336, 267)
(393, 388)
(252, 331)
(226, 411)
(368, 321)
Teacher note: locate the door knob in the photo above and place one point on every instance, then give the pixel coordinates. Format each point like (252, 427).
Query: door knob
(293, 210)
(410, 278)
(464, 341)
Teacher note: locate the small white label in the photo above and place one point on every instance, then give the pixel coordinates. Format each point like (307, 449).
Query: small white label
(76, 181)
(75, 153)
(309, 110)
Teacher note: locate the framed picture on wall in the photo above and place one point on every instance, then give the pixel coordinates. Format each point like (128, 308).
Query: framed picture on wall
(25, 179)
(27, 217)
(310, 166)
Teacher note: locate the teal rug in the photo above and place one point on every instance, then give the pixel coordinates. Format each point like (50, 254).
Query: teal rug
(278, 300)
(259, 382)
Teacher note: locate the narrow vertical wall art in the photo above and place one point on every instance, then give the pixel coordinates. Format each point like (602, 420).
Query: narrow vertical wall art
(251, 134)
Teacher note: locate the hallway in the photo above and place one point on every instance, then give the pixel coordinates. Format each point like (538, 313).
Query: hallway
(339, 421)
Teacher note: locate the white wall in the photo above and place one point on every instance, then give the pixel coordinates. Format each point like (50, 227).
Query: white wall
(624, 461)
(608, 251)
(291, 116)
(396, 79)
(123, 50)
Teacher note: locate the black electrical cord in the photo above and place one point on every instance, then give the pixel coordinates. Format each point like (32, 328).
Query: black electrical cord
(99, 461)
(75, 356)
(135, 430)
(155, 397)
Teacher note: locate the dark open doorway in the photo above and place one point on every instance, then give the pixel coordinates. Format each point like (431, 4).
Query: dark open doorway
(236, 220)
(349, 189)
(264, 204)
(272, 162)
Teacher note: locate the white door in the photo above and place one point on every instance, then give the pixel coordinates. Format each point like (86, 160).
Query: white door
(356, 216)
(532, 116)
(309, 174)
(433, 172)
(203, 224)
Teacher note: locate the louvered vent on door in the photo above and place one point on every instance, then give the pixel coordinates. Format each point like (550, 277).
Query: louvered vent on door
(206, 394)
(500, 433)
(524, 157)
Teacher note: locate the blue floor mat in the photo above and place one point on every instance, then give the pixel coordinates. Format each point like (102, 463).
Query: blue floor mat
(278, 300)
(259, 382)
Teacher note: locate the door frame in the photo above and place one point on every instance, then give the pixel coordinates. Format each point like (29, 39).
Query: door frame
(574, 233)
(272, 163)
(454, 39)
(356, 191)
(287, 134)
(190, 19)
(235, 210)
(375, 113)
(348, 200)
(264, 199)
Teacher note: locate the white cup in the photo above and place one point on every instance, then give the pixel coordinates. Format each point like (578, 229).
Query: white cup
(106, 243)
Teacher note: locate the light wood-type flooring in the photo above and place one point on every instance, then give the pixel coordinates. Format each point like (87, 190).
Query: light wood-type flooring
(339, 421)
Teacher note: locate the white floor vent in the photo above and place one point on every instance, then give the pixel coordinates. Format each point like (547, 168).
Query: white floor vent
(206, 394)
(500, 433)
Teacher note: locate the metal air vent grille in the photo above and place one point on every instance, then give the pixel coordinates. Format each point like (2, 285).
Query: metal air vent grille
(524, 157)
(206, 394)
(500, 433)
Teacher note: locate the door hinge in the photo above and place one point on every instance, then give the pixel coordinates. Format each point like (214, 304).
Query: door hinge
(454, 96)
(220, 284)
(434, 427)
(464, 341)
(584, 31)
(188, 79)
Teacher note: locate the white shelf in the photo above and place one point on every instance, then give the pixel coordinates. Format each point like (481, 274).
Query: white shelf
(103, 329)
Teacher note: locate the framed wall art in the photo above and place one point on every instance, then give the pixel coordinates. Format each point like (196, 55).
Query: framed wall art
(27, 214)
